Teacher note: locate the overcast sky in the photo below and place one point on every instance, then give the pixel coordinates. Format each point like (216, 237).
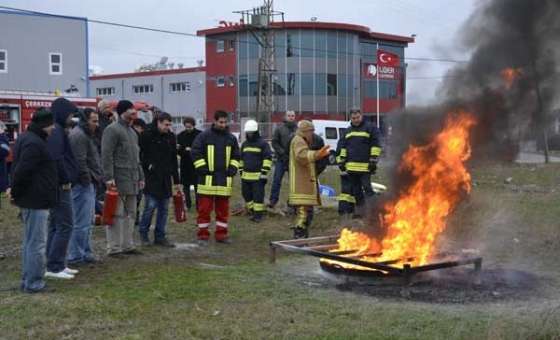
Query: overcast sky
(435, 22)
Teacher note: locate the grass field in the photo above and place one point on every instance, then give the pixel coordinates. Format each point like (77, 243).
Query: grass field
(233, 292)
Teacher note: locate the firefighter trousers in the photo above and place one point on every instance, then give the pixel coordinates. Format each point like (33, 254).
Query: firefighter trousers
(361, 187)
(207, 204)
(253, 194)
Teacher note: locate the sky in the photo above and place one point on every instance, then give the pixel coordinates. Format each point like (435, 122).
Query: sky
(435, 23)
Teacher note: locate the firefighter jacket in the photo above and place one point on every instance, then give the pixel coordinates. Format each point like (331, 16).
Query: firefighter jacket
(358, 147)
(303, 176)
(256, 159)
(216, 160)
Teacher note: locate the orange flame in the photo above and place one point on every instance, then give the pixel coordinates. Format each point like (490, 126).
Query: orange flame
(420, 213)
(510, 74)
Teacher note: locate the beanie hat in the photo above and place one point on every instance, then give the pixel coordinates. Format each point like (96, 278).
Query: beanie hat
(123, 106)
(305, 125)
(42, 118)
(61, 108)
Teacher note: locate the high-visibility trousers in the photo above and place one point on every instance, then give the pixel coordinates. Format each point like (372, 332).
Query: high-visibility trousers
(207, 204)
(253, 194)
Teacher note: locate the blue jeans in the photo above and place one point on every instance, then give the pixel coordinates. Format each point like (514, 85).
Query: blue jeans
(60, 230)
(280, 167)
(33, 250)
(83, 201)
(151, 203)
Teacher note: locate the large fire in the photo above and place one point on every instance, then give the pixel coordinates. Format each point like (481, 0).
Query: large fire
(415, 219)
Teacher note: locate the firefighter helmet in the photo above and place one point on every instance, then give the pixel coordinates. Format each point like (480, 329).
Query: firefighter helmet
(251, 126)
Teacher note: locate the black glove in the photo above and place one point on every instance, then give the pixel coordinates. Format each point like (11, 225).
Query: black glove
(231, 171)
(372, 166)
(342, 167)
(203, 171)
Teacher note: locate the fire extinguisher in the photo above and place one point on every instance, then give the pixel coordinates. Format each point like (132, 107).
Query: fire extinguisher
(110, 205)
(179, 205)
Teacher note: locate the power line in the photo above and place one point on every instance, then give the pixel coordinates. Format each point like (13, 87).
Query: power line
(165, 31)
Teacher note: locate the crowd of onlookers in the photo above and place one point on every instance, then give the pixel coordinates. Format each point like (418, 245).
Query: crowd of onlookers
(67, 159)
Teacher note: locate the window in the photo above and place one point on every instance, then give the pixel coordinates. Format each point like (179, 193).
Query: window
(55, 63)
(105, 91)
(331, 44)
(183, 86)
(291, 84)
(331, 85)
(143, 88)
(330, 133)
(231, 45)
(307, 84)
(292, 44)
(387, 89)
(3, 61)
(220, 46)
(320, 84)
(307, 47)
(220, 81)
(243, 86)
(320, 44)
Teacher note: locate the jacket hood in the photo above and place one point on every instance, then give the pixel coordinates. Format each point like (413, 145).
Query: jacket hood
(61, 108)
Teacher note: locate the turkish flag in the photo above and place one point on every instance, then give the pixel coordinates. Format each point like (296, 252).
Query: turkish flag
(385, 58)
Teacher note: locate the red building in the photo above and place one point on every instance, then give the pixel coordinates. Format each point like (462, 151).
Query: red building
(323, 70)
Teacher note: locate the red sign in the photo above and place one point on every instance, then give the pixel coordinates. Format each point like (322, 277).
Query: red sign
(372, 71)
(387, 59)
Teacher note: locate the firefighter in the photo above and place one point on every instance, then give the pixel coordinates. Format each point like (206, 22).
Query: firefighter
(304, 187)
(216, 160)
(256, 161)
(357, 159)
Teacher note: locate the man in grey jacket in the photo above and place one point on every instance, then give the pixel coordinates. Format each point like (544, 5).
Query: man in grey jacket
(122, 169)
(82, 140)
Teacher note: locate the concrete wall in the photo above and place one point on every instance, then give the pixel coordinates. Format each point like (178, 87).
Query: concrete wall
(28, 40)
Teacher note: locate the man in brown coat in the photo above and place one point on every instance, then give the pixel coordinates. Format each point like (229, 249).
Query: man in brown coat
(304, 187)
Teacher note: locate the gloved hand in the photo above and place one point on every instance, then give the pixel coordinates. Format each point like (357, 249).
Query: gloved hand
(263, 178)
(342, 167)
(231, 171)
(202, 171)
(372, 165)
(343, 173)
(323, 152)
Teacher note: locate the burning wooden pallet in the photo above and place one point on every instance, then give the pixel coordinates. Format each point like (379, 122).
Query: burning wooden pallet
(347, 262)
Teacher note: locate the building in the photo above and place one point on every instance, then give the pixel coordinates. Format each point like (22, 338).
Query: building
(180, 92)
(43, 53)
(323, 70)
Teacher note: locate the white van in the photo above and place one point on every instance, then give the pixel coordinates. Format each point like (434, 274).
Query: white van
(330, 131)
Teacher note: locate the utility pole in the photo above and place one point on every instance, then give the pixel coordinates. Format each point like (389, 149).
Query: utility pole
(259, 22)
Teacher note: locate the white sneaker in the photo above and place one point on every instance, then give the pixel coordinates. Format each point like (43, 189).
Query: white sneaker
(71, 271)
(60, 275)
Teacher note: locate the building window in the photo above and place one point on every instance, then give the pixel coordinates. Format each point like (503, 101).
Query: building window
(320, 84)
(55, 63)
(231, 45)
(291, 84)
(221, 81)
(105, 91)
(292, 44)
(3, 61)
(183, 86)
(307, 84)
(331, 85)
(143, 88)
(220, 46)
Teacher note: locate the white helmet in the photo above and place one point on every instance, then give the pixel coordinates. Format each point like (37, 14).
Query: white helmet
(251, 126)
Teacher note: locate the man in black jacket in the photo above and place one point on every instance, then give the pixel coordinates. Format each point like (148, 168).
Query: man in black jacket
(158, 154)
(281, 143)
(61, 216)
(216, 160)
(34, 191)
(184, 144)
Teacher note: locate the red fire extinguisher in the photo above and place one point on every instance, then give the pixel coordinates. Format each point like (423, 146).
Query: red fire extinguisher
(179, 205)
(110, 205)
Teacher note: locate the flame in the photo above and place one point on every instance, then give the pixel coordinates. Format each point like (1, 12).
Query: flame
(416, 218)
(510, 74)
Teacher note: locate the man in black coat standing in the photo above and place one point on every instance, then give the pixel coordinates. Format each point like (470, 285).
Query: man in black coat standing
(184, 143)
(34, 190)
(158, 155)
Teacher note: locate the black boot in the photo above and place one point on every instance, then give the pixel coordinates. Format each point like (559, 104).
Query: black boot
(300, 232)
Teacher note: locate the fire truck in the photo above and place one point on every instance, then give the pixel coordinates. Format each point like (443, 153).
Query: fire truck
(17, 107)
